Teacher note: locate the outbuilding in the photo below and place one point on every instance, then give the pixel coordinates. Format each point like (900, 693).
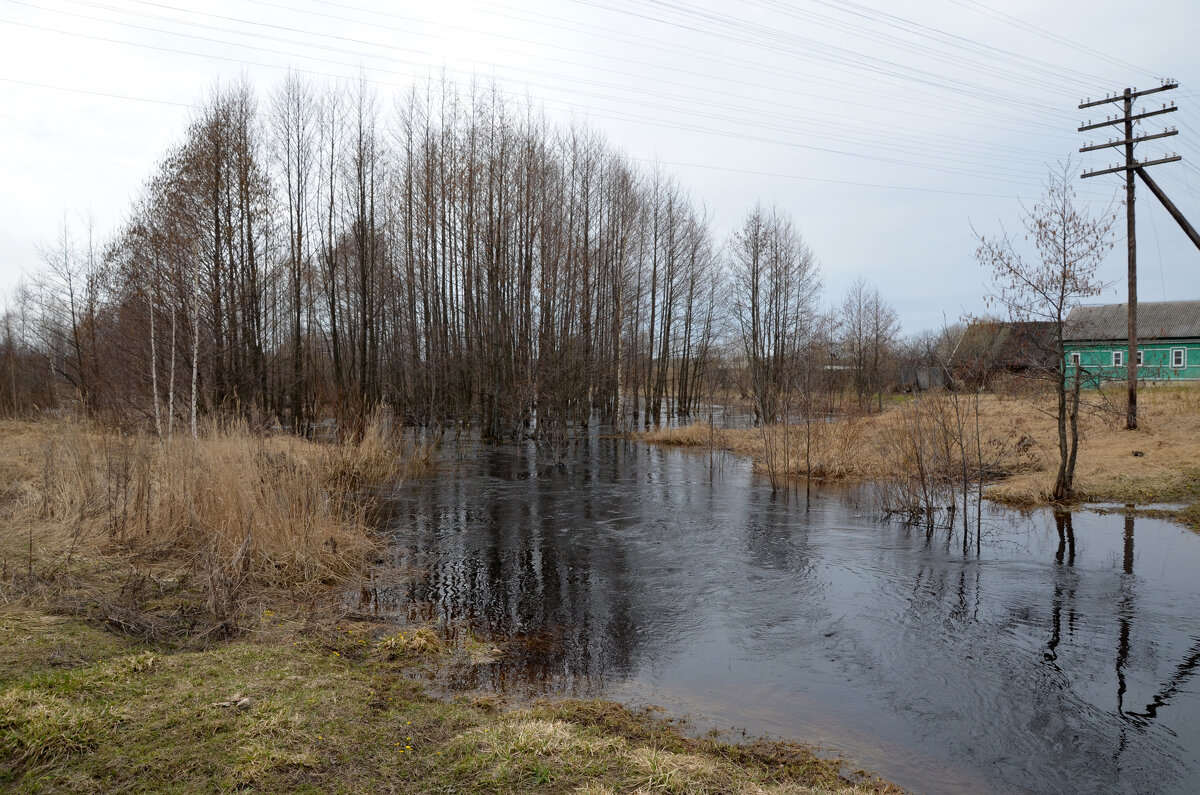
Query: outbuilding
(1168, 345)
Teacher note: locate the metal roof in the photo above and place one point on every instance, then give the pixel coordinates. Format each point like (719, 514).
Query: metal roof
(1156, 320)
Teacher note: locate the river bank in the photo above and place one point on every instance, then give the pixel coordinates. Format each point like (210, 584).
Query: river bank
(1155, 465)
(214, 653)
(340, 707)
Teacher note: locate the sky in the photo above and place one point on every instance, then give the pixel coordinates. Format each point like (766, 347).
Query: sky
(891, 132)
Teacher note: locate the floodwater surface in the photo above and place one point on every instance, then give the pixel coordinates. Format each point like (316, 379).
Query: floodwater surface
(1055, 656)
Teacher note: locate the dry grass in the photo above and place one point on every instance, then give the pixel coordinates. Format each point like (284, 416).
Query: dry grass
(1019, 437)
(834, 449)
(1168, 438)
(698, 434)
(232, 510)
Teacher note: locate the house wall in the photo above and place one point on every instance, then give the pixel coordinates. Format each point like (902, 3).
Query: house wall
(1097, 359)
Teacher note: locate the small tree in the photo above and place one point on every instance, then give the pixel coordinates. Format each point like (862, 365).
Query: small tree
(1070, 246)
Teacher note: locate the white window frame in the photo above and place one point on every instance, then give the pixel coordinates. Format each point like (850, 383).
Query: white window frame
(1118, 358)
(1141, 358)
(1182, 358)
(1075, 358)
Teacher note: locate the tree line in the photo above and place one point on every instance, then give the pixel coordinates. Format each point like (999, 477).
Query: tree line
(455, 256)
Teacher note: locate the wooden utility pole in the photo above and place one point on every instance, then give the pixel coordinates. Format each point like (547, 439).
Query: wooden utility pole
(1126, 120)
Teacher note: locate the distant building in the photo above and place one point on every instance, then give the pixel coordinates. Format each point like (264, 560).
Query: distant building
(920, 377)
(1097, 341)
(990, 347)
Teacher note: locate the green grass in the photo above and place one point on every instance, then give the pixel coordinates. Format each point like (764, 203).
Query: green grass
(331, 710)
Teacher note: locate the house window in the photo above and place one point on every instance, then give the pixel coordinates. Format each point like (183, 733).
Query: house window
(1118, 358)
(1141, 359)
(1075, 359)
(1179, 357)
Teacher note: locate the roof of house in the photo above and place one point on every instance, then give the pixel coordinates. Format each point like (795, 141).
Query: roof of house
(1157, 320)
(994, 343)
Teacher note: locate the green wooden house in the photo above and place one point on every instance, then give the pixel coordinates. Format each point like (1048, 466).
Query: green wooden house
(1097, 341)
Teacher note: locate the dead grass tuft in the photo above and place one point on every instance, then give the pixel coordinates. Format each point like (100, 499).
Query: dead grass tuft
(415, 642)
(667, 771)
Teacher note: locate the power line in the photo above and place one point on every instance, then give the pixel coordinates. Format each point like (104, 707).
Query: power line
(840, 134)
(1021, 24)
(99, 93)
(707, 89)
(919, 148)
(620, 115)
(778, 175)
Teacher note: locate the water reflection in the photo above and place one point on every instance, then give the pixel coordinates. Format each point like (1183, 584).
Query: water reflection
(1048, 658)
(1064, 583)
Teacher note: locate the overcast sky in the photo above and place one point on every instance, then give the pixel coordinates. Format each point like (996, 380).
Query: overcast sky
(886, 129)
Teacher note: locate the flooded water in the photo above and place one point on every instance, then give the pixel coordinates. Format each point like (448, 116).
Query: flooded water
(1056, 657)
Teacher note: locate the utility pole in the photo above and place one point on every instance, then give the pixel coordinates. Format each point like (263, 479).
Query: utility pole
(1126, 120)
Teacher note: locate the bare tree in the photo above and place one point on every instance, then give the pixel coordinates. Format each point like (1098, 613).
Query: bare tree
(1069, 247)
(883, 326)
(69, 299)
(776, 283)
(294, 125)
(26, 382)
